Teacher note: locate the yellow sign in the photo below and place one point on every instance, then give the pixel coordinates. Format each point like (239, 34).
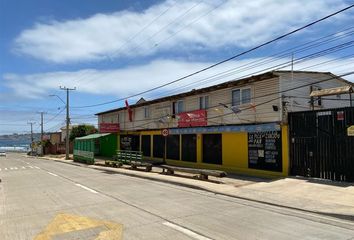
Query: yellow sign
(67, 226)
(350, 131)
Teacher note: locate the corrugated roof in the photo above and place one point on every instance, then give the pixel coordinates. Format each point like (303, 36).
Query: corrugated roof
(93, 136)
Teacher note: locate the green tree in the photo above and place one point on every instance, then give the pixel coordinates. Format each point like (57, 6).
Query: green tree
(82, 130)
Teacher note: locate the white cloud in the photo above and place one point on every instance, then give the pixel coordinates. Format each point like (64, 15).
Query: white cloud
(131, 80)
(234, 23)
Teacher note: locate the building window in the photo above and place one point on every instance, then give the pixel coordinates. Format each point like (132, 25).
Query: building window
(177, 107)
(158, 146)
(241, 96)
(172, 151)
(146, 145)
(146, 112)
(189, 147)
(212, 148)
(204, 102)
(120, 118)
(130, 142)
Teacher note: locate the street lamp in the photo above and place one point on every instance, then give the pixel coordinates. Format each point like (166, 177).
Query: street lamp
(54, 95)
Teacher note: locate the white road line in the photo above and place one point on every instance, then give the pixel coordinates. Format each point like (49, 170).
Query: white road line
(5, 169)
(15, 168)
(186, 231)
(23, 168)
(86, 188)
(37, 167)
(53, 174)
(0, 169)
(30, 166)
(11, 168)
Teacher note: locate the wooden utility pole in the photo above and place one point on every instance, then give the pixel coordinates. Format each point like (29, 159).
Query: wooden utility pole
(67, 144)
(32, 139)
(42, 124)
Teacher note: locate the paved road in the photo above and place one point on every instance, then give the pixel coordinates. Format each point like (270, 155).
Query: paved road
(43, 199)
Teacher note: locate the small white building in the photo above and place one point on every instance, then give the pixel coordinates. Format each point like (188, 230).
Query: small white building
(63, 132)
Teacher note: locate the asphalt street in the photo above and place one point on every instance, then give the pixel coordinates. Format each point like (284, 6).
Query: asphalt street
(43, 199)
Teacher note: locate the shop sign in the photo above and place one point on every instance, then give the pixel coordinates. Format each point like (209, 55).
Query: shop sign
(265, 150)
(350, 131)
(235, 128)
(196, 118)
(109, 127)
(340, 115)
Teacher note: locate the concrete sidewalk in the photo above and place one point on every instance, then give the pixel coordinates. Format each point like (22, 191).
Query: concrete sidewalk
(334, 199)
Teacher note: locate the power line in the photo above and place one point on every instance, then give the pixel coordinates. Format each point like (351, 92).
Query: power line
(282, 65)
(133, 37)
(175, 33)
(255, 105)
(224, 61)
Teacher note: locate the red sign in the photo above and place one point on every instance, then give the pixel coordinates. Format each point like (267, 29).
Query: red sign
(165, 132)
(340, 115)
(195, 118)
(109, 127)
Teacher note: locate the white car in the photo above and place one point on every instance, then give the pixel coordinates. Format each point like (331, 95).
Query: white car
(2, 153)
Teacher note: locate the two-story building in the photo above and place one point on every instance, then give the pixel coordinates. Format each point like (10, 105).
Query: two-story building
(236, 126)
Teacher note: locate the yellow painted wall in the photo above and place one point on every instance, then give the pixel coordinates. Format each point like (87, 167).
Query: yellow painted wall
(234, 155)
(285, 150)
(235, 150)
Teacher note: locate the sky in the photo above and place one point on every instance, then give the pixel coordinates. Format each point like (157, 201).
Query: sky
(112, 49)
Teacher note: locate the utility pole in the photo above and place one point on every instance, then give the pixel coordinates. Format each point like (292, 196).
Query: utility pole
(42, 124)
(31, 123)
(67, 145)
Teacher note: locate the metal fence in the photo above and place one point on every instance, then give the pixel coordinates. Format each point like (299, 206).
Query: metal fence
(320, 146)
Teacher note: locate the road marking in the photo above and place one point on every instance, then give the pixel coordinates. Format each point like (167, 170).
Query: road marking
(0, 169)
(23, 168)
(186, 231)
(53, 174)
(66, 226)
(5, 169)
(15, 168)
(30, 166)
(86, 188)
(11, 168)
(37, 167)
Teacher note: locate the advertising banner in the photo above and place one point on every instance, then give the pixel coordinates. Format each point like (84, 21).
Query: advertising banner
(197, 118)
(109, 127)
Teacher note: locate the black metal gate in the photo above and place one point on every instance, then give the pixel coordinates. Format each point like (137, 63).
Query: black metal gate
(320, 146)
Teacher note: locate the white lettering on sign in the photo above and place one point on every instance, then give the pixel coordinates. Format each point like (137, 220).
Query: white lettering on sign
(327, 113)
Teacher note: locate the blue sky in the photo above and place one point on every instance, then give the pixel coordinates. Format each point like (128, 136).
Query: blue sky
(112, 49)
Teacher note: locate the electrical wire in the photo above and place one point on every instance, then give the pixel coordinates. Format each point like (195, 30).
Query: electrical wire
(225, 60)
(261, 96)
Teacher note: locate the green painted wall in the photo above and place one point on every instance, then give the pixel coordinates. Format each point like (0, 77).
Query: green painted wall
(108, 145)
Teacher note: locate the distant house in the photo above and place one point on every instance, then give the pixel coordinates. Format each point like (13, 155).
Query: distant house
(237, 126)
(63, 132)
(55, 138)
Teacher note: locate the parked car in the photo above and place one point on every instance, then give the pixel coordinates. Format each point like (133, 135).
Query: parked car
(2, 153)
